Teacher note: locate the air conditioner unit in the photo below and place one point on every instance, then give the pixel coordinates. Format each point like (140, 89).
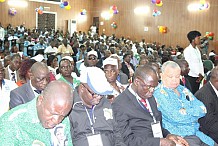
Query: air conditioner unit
(72, 26)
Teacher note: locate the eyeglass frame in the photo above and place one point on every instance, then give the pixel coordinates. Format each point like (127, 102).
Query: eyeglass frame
(92, 58)
(92, 93)
(148, 87)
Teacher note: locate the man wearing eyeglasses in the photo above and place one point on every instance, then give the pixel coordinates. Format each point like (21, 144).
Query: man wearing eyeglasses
(92, 122)
(39, 78)
(135, 111)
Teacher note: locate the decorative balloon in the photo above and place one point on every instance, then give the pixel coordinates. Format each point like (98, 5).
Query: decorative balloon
(158, 3)
(162, 29)
(39, 10)
(156, 13)
(204, 5)
(153, 1)
(83, 11)
(2, 1)
(61, 5)
(114, 25)
(12, 11)
(113, 10)
(209, 35)
(68, 7)
(65, 4)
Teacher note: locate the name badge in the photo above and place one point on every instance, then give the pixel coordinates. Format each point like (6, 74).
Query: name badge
(94, 139)
(156, 129)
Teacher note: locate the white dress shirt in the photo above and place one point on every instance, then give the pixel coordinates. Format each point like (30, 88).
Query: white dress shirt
(193, 57)
(7, 86)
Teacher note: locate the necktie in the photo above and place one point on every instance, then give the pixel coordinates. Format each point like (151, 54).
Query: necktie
(38, 91)
(13, 77)
(183, 80)
(143, 101)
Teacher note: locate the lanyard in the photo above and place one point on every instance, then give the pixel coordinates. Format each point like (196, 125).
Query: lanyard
(138, 100)
(147, 110)
(91, 121)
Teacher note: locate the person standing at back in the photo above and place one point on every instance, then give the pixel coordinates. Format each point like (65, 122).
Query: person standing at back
(193, 57)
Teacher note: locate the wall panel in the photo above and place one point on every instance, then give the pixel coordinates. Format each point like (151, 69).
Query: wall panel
(28, 15)
(174, 15)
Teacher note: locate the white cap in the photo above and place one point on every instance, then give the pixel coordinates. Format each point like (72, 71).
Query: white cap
(110, 61)
(38, 58)
(96, 80)
(67, 57)
(212, 54)
(92, 52)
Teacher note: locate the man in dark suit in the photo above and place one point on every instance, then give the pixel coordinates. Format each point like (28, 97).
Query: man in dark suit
(11, 71)
(39, 79)
(136, 114)
(183, 64)
(127, 67)
(208, 95)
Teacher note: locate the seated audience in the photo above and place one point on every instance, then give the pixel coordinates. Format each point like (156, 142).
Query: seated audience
(65, 70)
(33, 123)
(11, 71)
(6, 87)
(52, 63)
(121, 77)
(90, 60)
(39, 78)
(7, 60)
(135, 111)
(183, 64)
(24, 71)
(65, 48)
(110, 67)
(208, 95)
(91, 118)
(127, 67)
(180, 108)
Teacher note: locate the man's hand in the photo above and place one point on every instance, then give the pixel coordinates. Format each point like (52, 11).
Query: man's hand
(177, 139)
(167, 142)
(199, 78)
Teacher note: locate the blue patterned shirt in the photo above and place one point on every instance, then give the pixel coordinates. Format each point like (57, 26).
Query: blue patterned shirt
(181, 113)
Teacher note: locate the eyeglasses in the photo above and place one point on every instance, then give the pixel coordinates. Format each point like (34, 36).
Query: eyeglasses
(92, 93)
(148, 87)
(92, 58)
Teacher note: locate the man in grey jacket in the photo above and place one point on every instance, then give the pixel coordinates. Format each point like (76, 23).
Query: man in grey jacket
(91, 118)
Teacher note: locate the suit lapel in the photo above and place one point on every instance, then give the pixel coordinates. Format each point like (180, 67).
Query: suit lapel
(29, 92)
(135, 102)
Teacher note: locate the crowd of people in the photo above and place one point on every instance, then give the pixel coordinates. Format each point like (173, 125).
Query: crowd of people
(98, 90)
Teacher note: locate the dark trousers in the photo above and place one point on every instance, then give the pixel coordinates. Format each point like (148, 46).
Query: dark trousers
(194, 84)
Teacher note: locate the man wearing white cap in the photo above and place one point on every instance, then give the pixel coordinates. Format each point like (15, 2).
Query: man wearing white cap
(110, 66)
(91, 118)
(91, 60)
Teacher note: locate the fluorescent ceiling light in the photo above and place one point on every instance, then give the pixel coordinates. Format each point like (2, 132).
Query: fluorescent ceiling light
(141, 10)
(18, 3)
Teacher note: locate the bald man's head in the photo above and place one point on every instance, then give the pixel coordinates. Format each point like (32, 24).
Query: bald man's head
(54, 104)
(39, 75)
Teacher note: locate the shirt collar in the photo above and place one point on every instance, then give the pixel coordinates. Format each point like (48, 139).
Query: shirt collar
(10, 71)
(133, 92)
